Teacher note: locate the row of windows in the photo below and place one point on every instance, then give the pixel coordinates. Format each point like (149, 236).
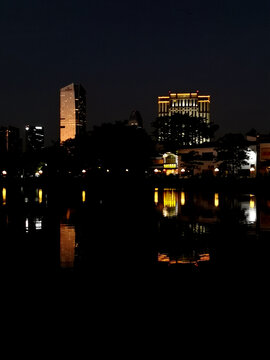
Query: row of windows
(187, 102)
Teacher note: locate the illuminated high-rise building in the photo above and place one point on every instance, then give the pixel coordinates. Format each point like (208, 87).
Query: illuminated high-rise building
(190, 103)
(72, 111)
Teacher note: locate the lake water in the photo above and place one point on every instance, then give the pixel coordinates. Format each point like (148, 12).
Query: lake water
(129, 230)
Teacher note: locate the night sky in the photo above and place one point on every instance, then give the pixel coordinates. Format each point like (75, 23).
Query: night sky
(126, 53)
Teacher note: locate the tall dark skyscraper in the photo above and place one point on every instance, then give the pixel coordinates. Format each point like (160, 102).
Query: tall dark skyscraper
(34, 138)
(72, 111)
(135, 119)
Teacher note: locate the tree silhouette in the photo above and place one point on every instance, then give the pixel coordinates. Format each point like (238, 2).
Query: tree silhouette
(232, 150)
(182, 130)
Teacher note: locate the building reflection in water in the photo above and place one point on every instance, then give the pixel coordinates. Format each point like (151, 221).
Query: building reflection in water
(182, 259)
(216, 199)
(182, 198)
(4, 196)
(40, 196)
(67, 245)
(83, 196)
(184, 225)
(33, 224)
(170, 202)
(250, 209)
(67, 241)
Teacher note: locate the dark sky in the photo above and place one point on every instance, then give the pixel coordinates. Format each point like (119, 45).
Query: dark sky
(126, 53)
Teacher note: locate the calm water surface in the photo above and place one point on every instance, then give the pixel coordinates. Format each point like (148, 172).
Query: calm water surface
(133, 230)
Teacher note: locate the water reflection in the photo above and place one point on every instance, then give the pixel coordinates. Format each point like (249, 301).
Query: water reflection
(186, 228)
(4, 196)
(191, 223)
(83, 196)
(33, 223)
(67, 245)
(216, 199)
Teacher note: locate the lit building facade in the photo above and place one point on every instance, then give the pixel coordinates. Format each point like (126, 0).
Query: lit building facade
(191, 104)
(72, 111)
(34, 138)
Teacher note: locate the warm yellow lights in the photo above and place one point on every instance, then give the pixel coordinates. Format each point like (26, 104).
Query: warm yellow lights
(216, 199)
(83, 196)
(4, 196)
(169, 198)
(156, 196)
(252, 201)
(182, 198)
(183, 259)
(170, 166)
(40, 196)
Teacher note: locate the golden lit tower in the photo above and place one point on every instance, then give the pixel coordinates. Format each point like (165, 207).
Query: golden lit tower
(190, 103)
(72, 111)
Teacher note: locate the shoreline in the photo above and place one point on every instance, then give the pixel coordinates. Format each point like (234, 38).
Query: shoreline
(229, 184)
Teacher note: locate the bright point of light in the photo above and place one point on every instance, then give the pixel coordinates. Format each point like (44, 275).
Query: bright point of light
(83, 171)
(183, 170)
(4, 172)
(216, 169)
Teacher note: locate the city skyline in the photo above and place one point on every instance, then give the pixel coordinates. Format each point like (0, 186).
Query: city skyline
(126, 54)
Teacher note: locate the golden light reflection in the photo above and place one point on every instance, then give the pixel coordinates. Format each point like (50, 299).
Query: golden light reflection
(83, 196)
(4, 196)
(156, 196)
(67, 246)
(169, 198)
(252, 201)
(182, 198)
(183, 259)
(216, 200)
(40, 196)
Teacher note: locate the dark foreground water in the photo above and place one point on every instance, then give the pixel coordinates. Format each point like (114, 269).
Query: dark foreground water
(132, 233)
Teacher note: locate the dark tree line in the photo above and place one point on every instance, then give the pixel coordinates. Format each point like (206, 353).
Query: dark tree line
(109, 148)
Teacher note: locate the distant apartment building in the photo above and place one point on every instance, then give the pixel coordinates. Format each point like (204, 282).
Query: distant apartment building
(72, 111)
(34, 138)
